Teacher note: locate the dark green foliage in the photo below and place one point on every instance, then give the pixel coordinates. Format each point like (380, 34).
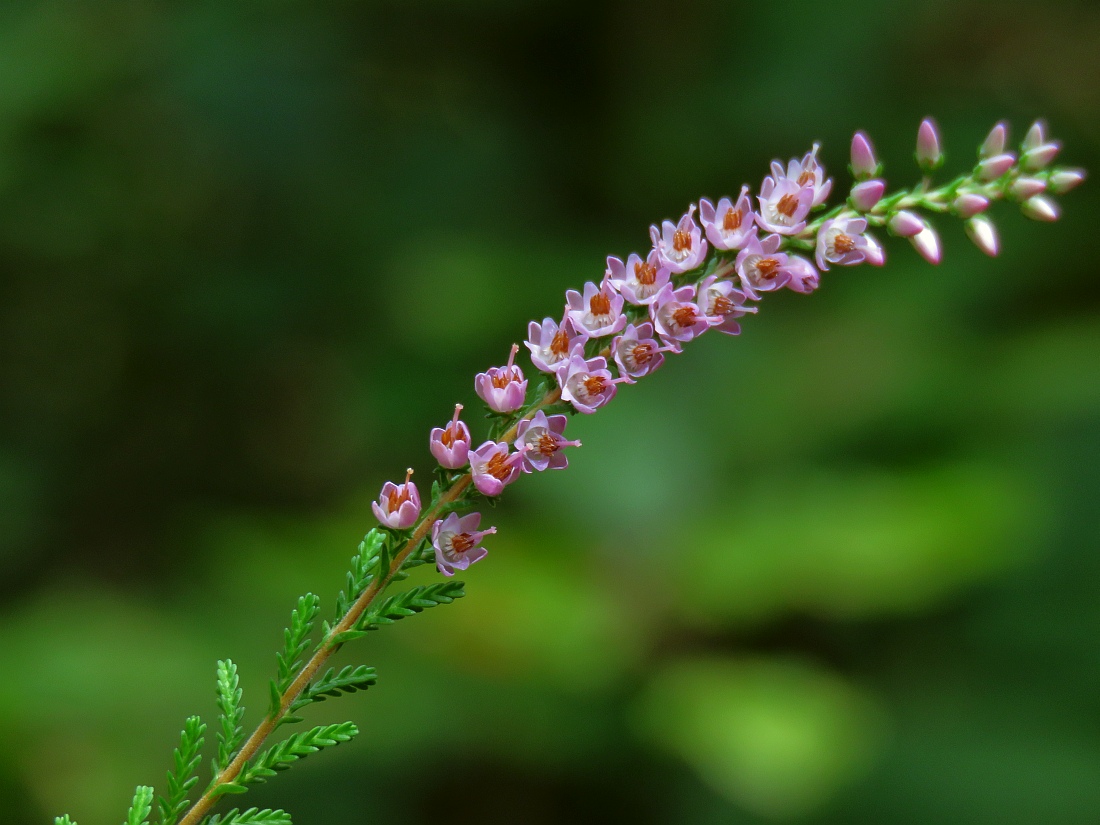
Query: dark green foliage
(298, 746)
(253, 816)
(181, 778)
(405, 604)
(229, 705)
(141, 806)
(297, 639)
(348, 680)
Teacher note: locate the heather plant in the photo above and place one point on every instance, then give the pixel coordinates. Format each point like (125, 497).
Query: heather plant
(704, 272)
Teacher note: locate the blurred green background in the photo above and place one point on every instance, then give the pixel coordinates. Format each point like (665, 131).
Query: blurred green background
(843, 569)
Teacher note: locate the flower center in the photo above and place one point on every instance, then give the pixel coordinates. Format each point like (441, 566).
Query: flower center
(498, 466)
(547, 445)
(461, 542)
(767, 267)
(450, 436)
(503, 378)
(843, 243)
(600, 304)
(684, 316)
(806, 177)
(559, 346)
(645, 274)
(594, 384)
(681, 240)
(732, 220)
(722, 305)
(788, 205)
(642, 353)
(398, 497)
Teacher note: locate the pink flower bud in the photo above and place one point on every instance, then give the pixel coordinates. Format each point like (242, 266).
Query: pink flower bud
(876, 255)
(1035, 137)
(864, 165)
(969, 204)
(1024, 188)
(1041, 208)
(1065, 179)
(995, 143)
(992, 168)
(983, 233)
(929, 156)
(1041, 156)
(927, 243)
(905, 224)
(866, 194)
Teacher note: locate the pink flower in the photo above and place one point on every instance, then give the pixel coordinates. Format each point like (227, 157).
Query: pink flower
(983, 233)
(761, 266)
(676, 316)
(721, 304)
(551, 344)
(457, 542)
(840, 241)
(784, 205)
(586, 383)
(867, 193)
(636, 352)
(504, 389)
(679, 247)
(598, 312)
(639, 281)
(807, 173)
(804, 277)
(876, 255)
(493, 468)
(398, 506)
(728, 225)
(969, 204)
(540, 441)
(451, 444)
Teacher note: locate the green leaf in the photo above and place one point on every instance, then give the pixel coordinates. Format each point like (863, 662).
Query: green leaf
(411, 602)
(253, 816)
(182, 777)
(360, 576)
(228, 787)
(298, 746)
(141, 806)
(63, 820)
(229, 704)
(348, 680)
(347, 636)
(276, 702)
(296, 638)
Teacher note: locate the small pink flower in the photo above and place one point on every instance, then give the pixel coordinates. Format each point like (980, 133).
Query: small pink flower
(676, 316)
(784, 205)
(493, 467)
(639, 281)
(989, 169)
(540, 441)
(866, 194)
(550, 344)
(722, 304)
(636, 352)
(804, 277)
(451, 444)
(680, 246)
(807, 173)
(728, 225)
(761, 266)
(864, 165)
(598, 312)
(457, 542)
(876, 255)
(587, 384)
(398, 506)
(504, 389)
(840, 241)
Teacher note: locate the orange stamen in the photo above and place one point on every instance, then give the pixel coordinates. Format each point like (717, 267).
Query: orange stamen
(645, 274)
(788, 205)
(732, 220)
(681, 240)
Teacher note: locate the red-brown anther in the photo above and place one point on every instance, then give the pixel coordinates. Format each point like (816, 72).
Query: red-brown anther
(547, 445)
(681, 240)
(503, 379)
(594, 384)
(788, 205)
(498, 466)
(768, 268)
(645, 274)
(642, 353)
(400, 494)
(684, 316)
(806, 177)
(450, 435)
(732, 220)
(461, 542)
(559, 346)
(600, 304)
(843, 243)
(723, 305)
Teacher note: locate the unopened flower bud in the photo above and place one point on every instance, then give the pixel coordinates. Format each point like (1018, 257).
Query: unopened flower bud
(1065, 179)
(876, 255)
(1024, 188)
(1041, 208)
(992, 168)
(983, 233)
(995, 142)
(929, 155)
(905, 224)
(866, 194)
(968, 205)
(1041, 156)
(1036, 136)
(864, 165)
(927, 243)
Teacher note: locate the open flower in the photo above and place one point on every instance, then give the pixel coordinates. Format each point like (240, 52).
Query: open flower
(551, 344)
(762, 267)
(728, 225)
(457, 542)
(807, 173)
(598, 312)
(540, 441)
(679, 246)
(451, 444)
(722, 303)
(676, 316)
(784, 205)
(504, 389)
(494, 467)
(841, 241)
(587, 384)
(804, 276)
(637, 352)
(398, 506)
(639, 281)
